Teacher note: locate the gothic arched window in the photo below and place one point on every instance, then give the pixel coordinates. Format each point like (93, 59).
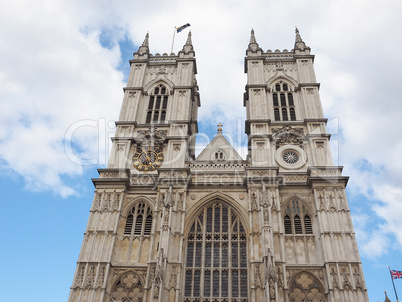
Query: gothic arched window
(284, 109)
(140, 217)
(305, 288)
(297, 220)
(216, 261)
(157, 105)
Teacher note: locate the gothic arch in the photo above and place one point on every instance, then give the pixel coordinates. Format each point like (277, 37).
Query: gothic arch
(305, 287)
(127, 287)
(210, 198)
(138, 218)
(216, 249)
(283, 77)
(129, 205)
(159, 80)
(297, 216)
(287, 200)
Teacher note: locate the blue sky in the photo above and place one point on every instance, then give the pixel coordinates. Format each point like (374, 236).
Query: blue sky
(62, 68)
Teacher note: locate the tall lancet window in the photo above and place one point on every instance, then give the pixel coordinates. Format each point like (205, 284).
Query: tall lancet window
(157, 105)
(297, 219)
(216, 261)
(284, 108)
(139, 221)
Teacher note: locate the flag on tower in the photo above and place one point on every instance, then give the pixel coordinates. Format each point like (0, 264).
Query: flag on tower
(396, 274)
(179, 29)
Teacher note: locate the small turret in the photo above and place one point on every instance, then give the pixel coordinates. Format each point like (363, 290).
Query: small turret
(188, 47)
(144, 48)
(253, 46)
(299, 43)
(386, 297)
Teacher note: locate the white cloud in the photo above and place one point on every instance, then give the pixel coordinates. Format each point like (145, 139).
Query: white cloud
(55, 72)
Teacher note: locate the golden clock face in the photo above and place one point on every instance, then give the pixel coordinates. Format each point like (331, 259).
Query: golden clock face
(148, 158)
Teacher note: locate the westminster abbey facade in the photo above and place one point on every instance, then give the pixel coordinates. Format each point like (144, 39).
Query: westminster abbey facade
(169, 226)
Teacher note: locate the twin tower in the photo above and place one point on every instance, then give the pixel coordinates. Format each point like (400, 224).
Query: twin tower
(168, 226)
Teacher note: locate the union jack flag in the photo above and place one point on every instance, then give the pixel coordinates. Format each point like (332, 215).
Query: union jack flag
(396, 274)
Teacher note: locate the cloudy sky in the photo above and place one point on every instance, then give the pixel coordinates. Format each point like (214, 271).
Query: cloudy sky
(62, 68)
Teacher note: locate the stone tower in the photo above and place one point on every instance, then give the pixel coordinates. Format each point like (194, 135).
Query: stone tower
(168, 226)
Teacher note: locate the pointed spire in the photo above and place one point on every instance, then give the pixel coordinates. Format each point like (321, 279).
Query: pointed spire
(299, 43)
(146, 40)
(386, 297)
(188, 47)
(253, 45)
(144, 48)
(189, 42)
(252, 38)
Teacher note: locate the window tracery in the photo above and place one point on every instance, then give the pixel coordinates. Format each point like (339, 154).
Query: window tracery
(283, 103)
(297, 219)
(305, 288)
(128, 288)
(139, 221)
(216, 261)
(157, 105)
(219, 155)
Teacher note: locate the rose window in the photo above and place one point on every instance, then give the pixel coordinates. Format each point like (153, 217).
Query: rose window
(290, 157)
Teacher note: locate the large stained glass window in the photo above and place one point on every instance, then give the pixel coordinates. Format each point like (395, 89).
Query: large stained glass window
(216, 261)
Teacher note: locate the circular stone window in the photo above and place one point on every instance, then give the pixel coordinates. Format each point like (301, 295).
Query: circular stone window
(290, 157)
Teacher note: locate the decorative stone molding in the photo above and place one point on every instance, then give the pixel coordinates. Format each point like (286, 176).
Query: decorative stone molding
(295, 178)
(288, 135)
(106, 201)
(128, 286)
(218, 167)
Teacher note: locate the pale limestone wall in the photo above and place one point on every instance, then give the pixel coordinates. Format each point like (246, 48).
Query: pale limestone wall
(280, 267)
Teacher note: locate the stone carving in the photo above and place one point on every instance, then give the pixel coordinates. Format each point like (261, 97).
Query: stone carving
(280, 278)
(357, 276)
(334, 276)
(288, 136)
(161, 199)
(167, 213)
(98, 201)
(322, 202)
(111, 174)
(290, 178)
(106, 202)
(151, 136)
(345, 276)
(341, 202)
(80, 276)
(101, 276)
(152, 273)
(128, 287)
(158, 278)
(179, 205)
(332, 205)
(268, 173)
(305, 288)
(257, 276)
(116, 201)
(89, 281)
(173, 276)
(253, 202)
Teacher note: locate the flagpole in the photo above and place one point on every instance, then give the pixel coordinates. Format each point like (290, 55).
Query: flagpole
(174, 34)
(396, 295)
